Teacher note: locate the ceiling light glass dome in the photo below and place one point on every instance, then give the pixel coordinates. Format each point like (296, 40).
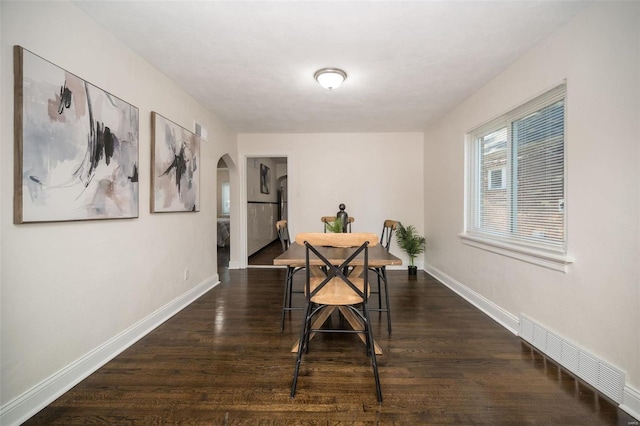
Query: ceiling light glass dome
(330, 78)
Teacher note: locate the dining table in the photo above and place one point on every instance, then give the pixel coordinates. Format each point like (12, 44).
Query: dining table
(378, 257)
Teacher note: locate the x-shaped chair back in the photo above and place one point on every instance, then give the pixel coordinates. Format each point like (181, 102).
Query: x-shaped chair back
(337, 287)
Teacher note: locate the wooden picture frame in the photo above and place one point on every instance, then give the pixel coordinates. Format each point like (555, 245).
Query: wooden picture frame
(76, 146)
(175, 168)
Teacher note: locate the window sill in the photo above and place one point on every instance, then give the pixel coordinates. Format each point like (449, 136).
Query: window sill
(555, 261)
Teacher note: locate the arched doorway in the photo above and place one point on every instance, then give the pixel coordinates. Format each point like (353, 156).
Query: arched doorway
(226, 179)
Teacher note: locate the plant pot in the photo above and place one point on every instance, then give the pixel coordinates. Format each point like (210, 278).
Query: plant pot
(413, 272)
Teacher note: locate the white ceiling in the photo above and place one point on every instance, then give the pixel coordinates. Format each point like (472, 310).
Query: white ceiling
(252, 62)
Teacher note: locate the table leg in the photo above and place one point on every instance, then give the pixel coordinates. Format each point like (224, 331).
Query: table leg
(317, 323)
(356, 324)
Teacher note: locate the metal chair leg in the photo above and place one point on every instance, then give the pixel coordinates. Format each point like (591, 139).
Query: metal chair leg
(372, 350)
(378, 272)
(386, 296)
(381, 274)
(302, 346)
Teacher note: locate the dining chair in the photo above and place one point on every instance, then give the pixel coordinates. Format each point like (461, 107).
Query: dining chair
(334, 289)
(388, 228)
(287, 306)
(328, 220)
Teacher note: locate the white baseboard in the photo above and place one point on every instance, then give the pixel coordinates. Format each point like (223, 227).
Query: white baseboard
(502, 317)
(631, 401)
(630, 398)
(235, 265)
(29, 403)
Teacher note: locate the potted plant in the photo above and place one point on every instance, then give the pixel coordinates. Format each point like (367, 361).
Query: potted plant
(412, 243)
(335, 226)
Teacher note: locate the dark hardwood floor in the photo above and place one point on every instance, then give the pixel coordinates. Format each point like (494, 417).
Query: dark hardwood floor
(222, 360)
(265, 256)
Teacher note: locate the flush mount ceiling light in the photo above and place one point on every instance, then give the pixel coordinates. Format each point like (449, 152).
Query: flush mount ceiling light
(330, 78)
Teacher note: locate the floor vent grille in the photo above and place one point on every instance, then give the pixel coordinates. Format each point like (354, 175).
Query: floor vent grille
(602, 376)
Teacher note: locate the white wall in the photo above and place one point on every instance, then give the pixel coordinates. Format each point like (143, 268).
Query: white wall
(595, 303)
(68, 288)
(377, 176)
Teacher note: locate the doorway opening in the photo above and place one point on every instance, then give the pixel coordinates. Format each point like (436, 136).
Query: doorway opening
(223, 214)
(267, 202)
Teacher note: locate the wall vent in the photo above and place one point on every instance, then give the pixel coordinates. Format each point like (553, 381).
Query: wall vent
(588, 369)
(199, 130)
(539, 336)
(570, 356)
(554, 346)
(526, 329)
(610, 381)
(602, 376)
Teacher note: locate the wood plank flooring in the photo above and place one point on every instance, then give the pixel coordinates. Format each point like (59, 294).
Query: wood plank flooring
(265, 256)
(223, 360)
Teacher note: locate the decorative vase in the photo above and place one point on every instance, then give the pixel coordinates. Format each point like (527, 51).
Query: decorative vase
(344, 218)
(413, 272)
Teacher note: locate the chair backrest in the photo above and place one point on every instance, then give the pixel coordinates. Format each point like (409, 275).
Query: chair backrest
(343, 289)
(326, 220)
(354, 239)
(283, 234)
(388, 229)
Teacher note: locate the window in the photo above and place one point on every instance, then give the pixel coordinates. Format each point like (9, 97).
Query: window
(226, 198)
(497, 178)
(516, 177)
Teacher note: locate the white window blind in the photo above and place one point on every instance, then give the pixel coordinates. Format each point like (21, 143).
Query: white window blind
(525, 203)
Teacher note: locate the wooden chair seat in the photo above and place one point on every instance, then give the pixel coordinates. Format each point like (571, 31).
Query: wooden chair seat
(336, 292)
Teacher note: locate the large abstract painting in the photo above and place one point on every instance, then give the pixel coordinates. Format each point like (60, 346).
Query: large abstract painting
(76, 153)
(175, 168)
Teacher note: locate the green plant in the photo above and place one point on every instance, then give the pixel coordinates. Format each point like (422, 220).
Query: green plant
(410, 241)
(335, 226)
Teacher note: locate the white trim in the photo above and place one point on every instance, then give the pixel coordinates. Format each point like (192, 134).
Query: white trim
(29, 403)
(235, 265)
(631, 401)
(499, 315)
(555, 261)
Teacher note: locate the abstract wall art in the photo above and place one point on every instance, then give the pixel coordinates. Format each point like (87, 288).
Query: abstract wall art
(265, 178)
(175, 168)
(76, 146)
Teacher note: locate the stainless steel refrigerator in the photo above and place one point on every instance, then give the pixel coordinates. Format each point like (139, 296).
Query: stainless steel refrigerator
(282, 198)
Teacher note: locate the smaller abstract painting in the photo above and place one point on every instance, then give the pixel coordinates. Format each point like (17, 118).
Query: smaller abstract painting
(264, 179)
(175, 168)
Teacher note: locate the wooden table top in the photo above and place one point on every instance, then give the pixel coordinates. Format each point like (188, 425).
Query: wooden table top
(296, 255)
